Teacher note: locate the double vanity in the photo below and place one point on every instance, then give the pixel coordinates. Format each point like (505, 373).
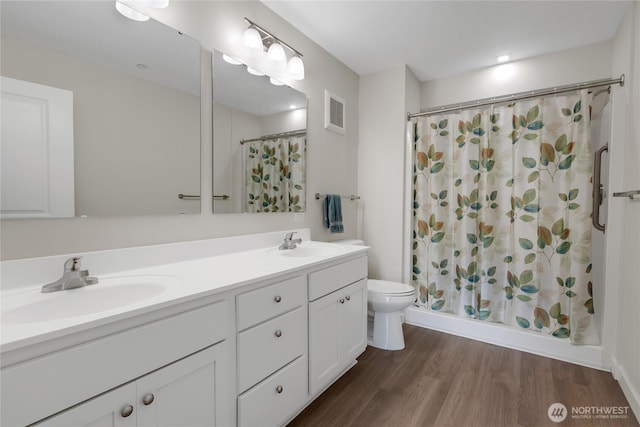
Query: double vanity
(231, 331)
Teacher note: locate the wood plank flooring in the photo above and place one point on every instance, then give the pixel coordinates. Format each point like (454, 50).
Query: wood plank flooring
(445, 380)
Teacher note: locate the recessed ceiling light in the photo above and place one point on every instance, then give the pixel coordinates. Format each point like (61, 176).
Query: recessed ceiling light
(503, 58)
(292, 107)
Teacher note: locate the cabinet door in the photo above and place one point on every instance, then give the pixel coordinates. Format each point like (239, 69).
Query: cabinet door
(353, 320)
(106, 410)
(190, 392)
(324, 352)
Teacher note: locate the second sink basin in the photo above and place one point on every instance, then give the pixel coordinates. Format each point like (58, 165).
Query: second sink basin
(311, 250)
(110, 293)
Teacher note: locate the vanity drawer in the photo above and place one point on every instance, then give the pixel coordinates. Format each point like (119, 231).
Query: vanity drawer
(330, 279)
(277, 398)
(270, 301)
(264, 349)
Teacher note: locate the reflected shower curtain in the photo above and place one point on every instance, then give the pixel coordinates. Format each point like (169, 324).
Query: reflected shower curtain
(502, 215)
(275, 178)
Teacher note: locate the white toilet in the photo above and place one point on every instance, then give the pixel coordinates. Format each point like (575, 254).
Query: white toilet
(386, 300)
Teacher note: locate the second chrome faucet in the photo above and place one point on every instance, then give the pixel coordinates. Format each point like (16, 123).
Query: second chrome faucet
(289, 242)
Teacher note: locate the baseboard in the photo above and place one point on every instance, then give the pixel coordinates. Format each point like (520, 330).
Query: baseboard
(630, 391)
(505, 336)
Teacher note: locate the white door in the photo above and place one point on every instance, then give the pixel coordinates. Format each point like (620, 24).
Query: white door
(189, 393)
(324, 348)
(112, 409)
(36, 150)
(354, 321)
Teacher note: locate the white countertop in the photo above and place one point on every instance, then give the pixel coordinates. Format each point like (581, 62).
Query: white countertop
(184, 281)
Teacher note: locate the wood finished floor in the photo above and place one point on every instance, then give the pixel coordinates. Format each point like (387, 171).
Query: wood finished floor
(444, 380)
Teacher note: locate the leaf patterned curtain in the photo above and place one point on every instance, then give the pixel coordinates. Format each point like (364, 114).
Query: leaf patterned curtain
(502, 208)
(275, 177)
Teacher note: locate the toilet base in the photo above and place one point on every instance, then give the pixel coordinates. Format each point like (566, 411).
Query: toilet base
(387, 331)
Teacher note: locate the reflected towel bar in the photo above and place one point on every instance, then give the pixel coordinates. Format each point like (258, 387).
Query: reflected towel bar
(628, 194)
(195, 197)
(350, 197)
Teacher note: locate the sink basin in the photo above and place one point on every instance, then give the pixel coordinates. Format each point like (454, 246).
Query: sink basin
(110, 293)
(311, 250)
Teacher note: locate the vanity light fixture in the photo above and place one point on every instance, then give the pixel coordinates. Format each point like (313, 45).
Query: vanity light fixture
(133, 14)
(130, 12)
(276, 57)
(275, 82)
(254, 71)
(253, 42)
(295, 67)
(231, 60)
(256, 39)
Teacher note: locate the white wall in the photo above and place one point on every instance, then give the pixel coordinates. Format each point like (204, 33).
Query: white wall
(331, 166)
(384, 99)
(580, 64)
(623, 227)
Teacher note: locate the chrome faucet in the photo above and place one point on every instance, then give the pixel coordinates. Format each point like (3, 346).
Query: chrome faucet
(289, 242)
(72, 277)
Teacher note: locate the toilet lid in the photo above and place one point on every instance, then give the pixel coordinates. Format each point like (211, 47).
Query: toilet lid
(387, 287)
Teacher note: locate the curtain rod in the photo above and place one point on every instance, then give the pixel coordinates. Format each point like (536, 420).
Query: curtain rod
(518, 96)
(275, 135)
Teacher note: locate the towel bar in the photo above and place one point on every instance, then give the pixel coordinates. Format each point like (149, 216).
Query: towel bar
(628, 194)
(350, 197)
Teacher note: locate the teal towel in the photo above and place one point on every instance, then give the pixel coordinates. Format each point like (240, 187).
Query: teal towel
(332, 213)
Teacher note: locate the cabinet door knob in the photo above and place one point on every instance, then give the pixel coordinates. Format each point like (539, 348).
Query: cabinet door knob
(348, 297)
(148, 399)
(278, 333)
(126, 411)
(341, 300)
(278, 298)
(279, 389)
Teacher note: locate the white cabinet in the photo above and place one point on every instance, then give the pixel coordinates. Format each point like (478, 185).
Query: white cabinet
(37, 388)
(337, 333)
(190, 392)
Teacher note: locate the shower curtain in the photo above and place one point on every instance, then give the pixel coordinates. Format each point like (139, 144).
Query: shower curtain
(274, 175)
(502, 207)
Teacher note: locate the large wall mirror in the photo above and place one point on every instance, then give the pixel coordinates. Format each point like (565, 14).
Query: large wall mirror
(259, 142)
(130, 110)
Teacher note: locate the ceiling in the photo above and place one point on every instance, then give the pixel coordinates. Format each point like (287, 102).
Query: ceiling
(438, 39)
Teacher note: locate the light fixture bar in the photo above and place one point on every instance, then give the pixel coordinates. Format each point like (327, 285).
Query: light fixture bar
(276, 39)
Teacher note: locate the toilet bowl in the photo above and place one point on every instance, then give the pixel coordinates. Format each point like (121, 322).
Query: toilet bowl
(386, 300)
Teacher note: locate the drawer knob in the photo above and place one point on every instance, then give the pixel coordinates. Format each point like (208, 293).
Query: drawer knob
(148, 399)
(126, 411)
(278, 333)
(348, 297)
(279, 389)
(278, 298)
(341, 300)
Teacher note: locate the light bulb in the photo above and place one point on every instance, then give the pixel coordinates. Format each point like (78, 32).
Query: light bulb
(276, 57)
(275, 82)
(159, 4)
(130, 13)
(253, 42)
(254, 71)
(230, 60)
(295, 67)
